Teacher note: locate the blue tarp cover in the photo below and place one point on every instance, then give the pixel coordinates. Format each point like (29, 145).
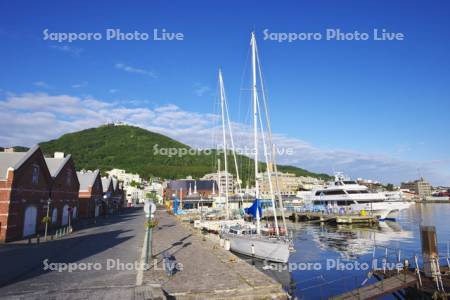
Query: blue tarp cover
(252, 209)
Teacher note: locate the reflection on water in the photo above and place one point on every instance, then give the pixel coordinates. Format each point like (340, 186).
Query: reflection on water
(353, 241)
(317, 243)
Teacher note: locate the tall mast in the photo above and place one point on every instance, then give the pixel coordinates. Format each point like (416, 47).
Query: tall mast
(218, 179)
(269, 129)
(233, 148)
(222, 105)
(255, 126)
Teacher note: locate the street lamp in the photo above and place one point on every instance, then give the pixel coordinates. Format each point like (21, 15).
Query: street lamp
(47, 218)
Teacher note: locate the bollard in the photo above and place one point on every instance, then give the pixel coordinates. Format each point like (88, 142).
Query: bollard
(38, 239)
(51, 237)
(227, 245)
(429, 249)
(29, 241)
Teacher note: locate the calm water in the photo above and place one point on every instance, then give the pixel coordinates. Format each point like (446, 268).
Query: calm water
(319, 245)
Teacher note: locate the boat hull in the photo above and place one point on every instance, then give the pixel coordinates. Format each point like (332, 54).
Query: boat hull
(259, 247)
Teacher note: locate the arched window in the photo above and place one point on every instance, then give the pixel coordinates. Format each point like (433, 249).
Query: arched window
(68, 177)
(55, 216)
(35, 174)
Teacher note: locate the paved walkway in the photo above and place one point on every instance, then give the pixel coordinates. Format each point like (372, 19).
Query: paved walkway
(209, 272)
(114, 240)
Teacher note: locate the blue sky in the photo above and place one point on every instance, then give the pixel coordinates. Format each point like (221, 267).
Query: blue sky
(381, 100)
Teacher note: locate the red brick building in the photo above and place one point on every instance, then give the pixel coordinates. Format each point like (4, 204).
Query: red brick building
(25, 183)
(91, 193)
(108, 190)
(188, 187)
(118, 194)
(64, 190)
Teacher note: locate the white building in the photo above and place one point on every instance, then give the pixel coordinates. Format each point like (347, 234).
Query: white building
(288, 183)
(222, 181)
(125, 177)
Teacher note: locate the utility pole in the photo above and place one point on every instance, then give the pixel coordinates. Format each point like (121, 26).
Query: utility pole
(149, 209)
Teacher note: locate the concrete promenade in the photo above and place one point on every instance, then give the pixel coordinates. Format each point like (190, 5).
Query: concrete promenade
(115, 238)
(208, 271)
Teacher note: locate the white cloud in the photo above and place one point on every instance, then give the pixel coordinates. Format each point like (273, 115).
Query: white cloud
(134, 70)
(201, 89)
(30, 118)
(68, 49)
(79, 85)
(42, 84)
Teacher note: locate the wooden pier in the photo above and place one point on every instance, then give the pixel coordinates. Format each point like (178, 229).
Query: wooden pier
(333, 218)
(381, 288)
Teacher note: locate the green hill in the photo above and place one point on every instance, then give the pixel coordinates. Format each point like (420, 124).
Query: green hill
(133, 149)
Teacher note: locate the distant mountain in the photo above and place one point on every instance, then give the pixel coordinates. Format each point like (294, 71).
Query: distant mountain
(133, 149)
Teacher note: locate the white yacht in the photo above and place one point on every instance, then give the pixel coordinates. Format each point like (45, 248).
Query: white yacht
(345, 194)
(252, 242)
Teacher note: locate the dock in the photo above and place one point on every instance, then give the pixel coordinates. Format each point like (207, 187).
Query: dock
(381, 288)
(208, 271)
(333, 218)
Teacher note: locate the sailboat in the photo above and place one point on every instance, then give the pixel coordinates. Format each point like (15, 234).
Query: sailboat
(229, 220)
(242, 239)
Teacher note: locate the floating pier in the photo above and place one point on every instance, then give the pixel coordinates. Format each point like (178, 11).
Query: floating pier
(333, 218)
(384, 287)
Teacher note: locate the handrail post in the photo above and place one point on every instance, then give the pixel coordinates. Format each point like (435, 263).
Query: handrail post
(418, 269)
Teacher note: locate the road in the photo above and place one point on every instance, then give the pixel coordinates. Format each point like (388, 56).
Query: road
(98, 248)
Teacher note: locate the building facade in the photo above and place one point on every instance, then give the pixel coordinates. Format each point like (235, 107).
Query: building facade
(188, 187)
(118, 194)
(420, 187)
(126, 178)
(221, 179)
(90, 195)
(64, 207)
(25, 183)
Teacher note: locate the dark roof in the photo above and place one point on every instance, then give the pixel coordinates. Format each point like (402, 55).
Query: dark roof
(184, 184)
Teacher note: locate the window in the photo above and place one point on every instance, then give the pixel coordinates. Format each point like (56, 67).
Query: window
(330, 192)
(35, 174)
(68, 177)
(358, 192)
(349, 182)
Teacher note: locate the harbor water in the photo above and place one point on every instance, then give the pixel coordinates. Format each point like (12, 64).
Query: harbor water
(332, 259)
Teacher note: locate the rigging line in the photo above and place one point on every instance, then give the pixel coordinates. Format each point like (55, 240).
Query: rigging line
(232, 144)
(244, 71)
(269, 175)
(225, 155)
(269, 127)
(214, 129)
